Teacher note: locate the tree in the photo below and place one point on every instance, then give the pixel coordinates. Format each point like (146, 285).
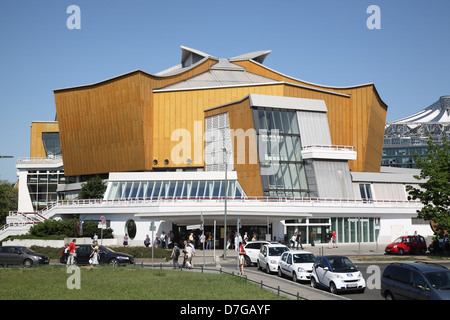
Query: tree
(94, 188)
(434, 193)
(8, 200)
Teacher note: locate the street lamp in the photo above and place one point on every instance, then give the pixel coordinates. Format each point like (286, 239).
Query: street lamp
(225, 211)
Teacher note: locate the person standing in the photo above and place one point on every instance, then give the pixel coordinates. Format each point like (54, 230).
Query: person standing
(292, 241)
(333, 235)
(72, 248)
(299, 240)
(125, 240)
(147, 240)
(175, 254)
(241, 259)
(94, 257)
(330, 239)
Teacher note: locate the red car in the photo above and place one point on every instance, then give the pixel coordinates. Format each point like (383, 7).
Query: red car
(407, 244)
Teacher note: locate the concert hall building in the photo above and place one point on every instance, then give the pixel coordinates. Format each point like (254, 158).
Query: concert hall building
(215, 140)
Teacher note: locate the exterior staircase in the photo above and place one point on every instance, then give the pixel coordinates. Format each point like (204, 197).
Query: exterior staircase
(18, 223)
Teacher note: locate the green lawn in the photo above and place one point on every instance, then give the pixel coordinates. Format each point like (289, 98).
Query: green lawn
(125, 283)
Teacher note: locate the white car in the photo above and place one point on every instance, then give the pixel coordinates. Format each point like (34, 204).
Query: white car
(252, 249)
(269, 256)
(337, 273)
(297, 265)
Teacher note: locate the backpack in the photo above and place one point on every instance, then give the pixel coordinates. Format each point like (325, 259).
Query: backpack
(177, 252)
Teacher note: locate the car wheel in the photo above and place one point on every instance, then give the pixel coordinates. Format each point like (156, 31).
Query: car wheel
(280, 274)
(388, 296)
(113, 262)
(400, 252)
(294, 277)
(333, 288)
(267, 268)
(313, 282)
(247, 261)
(27, 263)
(258, 264)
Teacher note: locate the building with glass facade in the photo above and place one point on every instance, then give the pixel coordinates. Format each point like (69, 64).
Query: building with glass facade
(215, 141)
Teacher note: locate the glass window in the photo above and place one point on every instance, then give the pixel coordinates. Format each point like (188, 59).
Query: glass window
(156, 190)
(216, 189)
(179, 190)
(277, 119)
(130, 228)
(293, 122)
(194, 189)
(262, 119)
(201, 189)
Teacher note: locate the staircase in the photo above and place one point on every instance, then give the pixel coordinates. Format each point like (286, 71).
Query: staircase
(18, 223)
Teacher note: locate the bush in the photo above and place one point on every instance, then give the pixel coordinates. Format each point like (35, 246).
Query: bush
(67, 228)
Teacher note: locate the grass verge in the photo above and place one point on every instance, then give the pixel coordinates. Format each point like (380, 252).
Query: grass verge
(125, 283)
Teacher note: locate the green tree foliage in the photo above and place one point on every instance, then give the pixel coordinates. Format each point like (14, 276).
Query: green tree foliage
(8, 200)
(434, 193)
(94, 188)
(68, 228)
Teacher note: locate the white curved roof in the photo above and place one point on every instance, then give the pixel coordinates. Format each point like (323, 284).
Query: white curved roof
(437, 112)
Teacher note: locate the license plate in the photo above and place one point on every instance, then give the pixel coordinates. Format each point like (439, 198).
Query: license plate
(352, 285)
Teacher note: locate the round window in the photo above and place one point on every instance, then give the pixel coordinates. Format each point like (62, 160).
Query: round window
(130, 228)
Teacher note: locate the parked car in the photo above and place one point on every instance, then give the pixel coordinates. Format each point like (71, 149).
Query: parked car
(337, 273)
(252, 249)
(296, 264)
(440, 245)
(415, 280)
(16, 255)
(107, 256)
(407, 244)
(269, 256)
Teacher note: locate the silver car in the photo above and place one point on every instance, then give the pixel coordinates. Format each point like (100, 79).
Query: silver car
(16, 255)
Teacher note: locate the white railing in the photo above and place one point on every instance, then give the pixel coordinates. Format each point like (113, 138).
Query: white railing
(329, 147)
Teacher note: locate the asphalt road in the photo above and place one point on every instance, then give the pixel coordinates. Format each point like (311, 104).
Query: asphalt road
(371, 271)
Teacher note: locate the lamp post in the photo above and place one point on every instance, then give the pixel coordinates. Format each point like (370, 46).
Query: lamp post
(225, 209)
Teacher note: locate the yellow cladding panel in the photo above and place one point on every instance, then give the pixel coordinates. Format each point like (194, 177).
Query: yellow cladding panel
(179, 120)
(36, 145)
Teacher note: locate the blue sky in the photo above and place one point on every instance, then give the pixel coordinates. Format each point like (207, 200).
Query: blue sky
(321, 41)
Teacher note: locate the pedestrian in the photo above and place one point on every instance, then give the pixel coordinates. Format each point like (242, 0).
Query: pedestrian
(125, 240)
(72, 253)
(299, 240)
(187, 250)
(65, 253)
(94, 238)
(192, 251)
(292, 241)
(241, 259)
(162, 239)
(245, 237)
(95, 256)
(334, 239)
(175, 254)
(208, 241)
(202, 241)
(330, 239)
(147, 241)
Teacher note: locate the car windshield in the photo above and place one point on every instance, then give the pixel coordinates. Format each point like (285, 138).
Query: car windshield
(26, 250)
(342, 264)
(106, 249)
(304, 258)
(398, 240)
(277, 251)
(439, 280)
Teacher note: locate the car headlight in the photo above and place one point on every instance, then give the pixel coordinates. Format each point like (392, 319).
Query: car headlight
(122, 258)
(300, 269)
(338, 276)
(273, 262)
(396, 246)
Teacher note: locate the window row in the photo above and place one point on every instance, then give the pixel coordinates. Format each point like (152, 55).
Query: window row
(174, 190)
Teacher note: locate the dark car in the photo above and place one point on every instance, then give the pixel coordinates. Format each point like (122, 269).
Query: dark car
(407, 244)
(17, 255)
(107, 256)
(415, 281)
(440, 245)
